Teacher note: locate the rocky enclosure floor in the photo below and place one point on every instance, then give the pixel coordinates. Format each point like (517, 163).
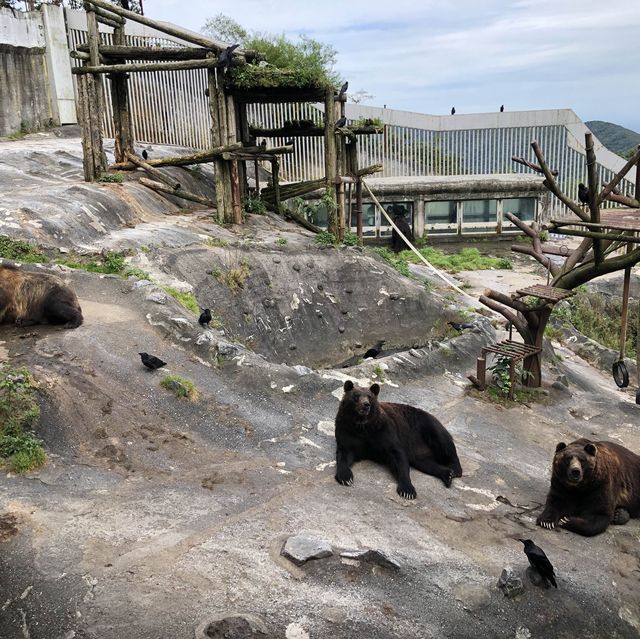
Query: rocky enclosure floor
(153, 515)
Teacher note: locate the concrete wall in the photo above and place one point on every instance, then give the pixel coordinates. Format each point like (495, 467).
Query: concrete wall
(36, 90)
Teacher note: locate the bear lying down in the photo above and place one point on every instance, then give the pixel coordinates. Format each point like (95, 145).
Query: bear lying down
(593, 484)
(396, 435)
(36, 298)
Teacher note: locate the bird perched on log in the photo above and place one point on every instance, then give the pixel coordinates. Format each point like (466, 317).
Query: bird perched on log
(453, 110)
(205, 317)
(461, 326)
(224, 59)
(151, 362)
(375, 350)
(539, 561)
(502, 108)
(341, 122)
(584, 195)
(343, 90)
(145, 155)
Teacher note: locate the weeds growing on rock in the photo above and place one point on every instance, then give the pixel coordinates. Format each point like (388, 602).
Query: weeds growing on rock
(397, 260)
(180, 386)
(281, 241)
(20, 251)
(188, 300)
(20, 449)
(114, 178)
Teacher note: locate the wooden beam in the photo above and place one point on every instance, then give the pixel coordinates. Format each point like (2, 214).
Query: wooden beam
(107, 22)
(150, 53)
(592, 225)
(635, 158)
(275, 176)
(181, 160)
(599, 236)
(235, 192)
(330, 158)
(109, 15)
(181, 193)
(165, 27)
(218, 164)
(132, 157)
(209, 63)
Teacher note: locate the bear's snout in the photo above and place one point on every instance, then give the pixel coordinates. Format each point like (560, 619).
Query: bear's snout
(574, 471)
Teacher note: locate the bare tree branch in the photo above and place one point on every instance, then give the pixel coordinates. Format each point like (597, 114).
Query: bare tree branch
(519, 324)
(618, 177)
(535, 167)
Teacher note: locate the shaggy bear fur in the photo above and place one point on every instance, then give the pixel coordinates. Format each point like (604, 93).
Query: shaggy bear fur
(593, 484)
(397, 435)
(397, 243)
(36, 298)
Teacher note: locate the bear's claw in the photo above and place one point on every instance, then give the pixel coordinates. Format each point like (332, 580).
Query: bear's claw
(407, 493)
(563, 521)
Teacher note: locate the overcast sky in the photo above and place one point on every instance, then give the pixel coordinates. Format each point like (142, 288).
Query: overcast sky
(430, 55)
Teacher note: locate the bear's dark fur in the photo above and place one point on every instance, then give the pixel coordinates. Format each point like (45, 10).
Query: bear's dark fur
(593, 484)
(397, 435)
(36, 298)
(397, 243)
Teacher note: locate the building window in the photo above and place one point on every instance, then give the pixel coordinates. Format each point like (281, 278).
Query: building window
(479, 216)
(373, 220)
(437, 214)
(522, 207)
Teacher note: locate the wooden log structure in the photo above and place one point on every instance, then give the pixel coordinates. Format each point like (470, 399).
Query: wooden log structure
(124, 52)
(108, 15)
(169, 181)
(181, 193)
(123, 129)
(181, 65)
(594, 207)
(330, 158)
(180, 160)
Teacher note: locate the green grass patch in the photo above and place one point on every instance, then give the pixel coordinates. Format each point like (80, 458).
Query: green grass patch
(181, 387)
(378, 372)
(469, 259)
(20, 251)
(254, 205)
(216, 242)
(234, 277)
(351, 239)
(20, 449)
(114, 178)
(188, 300)
(324, 238)
(598, 317)
(397, 260)
(281, 241)
(111, 263)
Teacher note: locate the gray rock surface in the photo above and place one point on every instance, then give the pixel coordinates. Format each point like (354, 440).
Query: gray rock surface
(510, 584)
(303, 548)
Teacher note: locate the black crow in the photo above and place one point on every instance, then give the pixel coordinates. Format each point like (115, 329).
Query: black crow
(460, 327)
(145, 155)
(289, 142)
(584, 195)
(125, 5)
(151, 362)
(539, 561)
(205, 317)
(453, 110)
(374, 351)
(502, 109)
(341, 122)
(224, 59)
(263, 144)
(343, 90)
(206, 92)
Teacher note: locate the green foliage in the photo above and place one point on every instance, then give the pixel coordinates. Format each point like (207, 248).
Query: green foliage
(469, 259)
(377, 122)
(188, 300)
(181, 387)
(616, 138)
(281, 241)
(324, 238)
(235, 276)
(397, 260)
(115, 178)
(111, 263)
(500, 374)
(20, 450)
(254, 205)
(351, 239)
(19, 251)
(216, 242)
(307, 62)
(598, 317)
(378, 372)
(137, 272)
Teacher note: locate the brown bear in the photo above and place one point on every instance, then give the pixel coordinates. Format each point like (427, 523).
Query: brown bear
(36, 298)
(593, 484)
(396, 435)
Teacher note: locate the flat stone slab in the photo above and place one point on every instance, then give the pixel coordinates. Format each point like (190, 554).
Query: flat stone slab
(372, 557)
(510, 584)
(301, 548)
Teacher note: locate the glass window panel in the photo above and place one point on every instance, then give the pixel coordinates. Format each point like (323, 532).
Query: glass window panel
(318, 215)
(395, 208)
(439, 213)
(523, 207)
(476, 211)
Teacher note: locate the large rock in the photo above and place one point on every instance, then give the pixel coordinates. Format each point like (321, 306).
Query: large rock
(301, 548)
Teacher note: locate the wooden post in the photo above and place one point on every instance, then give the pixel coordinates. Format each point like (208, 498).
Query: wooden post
(257, 176)
(218, 163)
(235, 192)
(359, 208)
(120, 106)
(593, 188)
(330, 169)
(341, 169)
(242, 133)
(481, 372)
(637, 194)
(174, 184)
(352, 169)
(275, 176)
(85, 123)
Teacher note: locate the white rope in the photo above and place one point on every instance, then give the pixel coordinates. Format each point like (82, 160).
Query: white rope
(414, 249)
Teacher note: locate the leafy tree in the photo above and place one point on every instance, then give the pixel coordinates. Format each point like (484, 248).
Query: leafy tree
(307, 56)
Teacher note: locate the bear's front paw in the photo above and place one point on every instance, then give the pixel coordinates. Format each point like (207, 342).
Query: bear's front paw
(18, 322)
(547, 521)
(563, 521)
(447, 478)
(344, 477)
(621, 516)
(407, 491)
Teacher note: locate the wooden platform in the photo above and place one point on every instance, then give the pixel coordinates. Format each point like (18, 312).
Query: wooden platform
(549, 293)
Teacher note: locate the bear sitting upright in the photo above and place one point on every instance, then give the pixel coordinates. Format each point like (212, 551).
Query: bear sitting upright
(397, 435)
(593, 484)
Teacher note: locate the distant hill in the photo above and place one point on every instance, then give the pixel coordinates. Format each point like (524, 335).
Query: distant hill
(615, 137)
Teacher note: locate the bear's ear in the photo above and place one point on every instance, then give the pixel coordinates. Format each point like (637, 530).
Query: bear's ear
(348, 385)
(591, 449)
(375, 389)
(560, 446)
